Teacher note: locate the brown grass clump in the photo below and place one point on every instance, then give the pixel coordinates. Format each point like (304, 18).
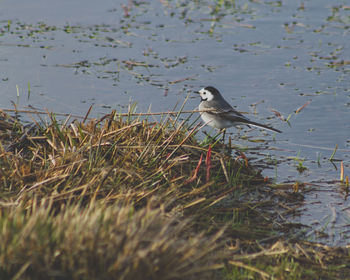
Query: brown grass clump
(117, 160)
(100, 242)
(110, 199)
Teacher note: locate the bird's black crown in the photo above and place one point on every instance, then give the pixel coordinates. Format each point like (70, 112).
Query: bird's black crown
(213, 90)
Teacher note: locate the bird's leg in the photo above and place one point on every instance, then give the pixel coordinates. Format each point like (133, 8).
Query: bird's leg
(223, 134)
(229, 145)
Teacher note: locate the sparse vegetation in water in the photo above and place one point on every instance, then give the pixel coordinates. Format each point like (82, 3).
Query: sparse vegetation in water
(128, 198)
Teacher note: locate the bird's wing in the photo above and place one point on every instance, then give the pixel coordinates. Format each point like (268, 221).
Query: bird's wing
(230, 114)
(236, 117)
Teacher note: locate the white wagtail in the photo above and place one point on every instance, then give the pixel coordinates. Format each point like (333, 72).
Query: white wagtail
(220, 114)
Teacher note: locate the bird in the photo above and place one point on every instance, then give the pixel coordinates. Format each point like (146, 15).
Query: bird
(218, 113)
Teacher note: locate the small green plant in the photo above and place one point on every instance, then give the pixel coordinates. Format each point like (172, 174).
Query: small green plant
(300, 167)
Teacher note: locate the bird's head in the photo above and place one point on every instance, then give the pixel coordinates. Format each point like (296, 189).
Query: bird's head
(208, 93)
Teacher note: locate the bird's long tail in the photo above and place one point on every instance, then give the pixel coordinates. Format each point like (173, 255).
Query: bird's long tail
(249, 122)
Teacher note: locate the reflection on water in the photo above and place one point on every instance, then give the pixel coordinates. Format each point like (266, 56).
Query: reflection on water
(268, 58)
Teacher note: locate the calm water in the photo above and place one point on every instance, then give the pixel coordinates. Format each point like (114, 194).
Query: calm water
(262, 55)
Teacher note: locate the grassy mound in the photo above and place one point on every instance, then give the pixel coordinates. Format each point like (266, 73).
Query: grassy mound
(109, 199)
(128, 198)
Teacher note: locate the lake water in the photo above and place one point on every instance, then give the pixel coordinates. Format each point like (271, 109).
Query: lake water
(264, 56)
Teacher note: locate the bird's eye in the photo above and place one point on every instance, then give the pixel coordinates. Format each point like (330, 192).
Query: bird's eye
(204, 93)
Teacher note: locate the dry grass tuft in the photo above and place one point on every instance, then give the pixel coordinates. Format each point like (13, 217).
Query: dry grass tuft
(116, 159)
(101, 242)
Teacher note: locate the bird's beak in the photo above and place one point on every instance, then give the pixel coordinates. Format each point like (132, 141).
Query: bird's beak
(196, 92)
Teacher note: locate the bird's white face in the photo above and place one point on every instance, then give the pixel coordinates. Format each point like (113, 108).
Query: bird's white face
(206, 95)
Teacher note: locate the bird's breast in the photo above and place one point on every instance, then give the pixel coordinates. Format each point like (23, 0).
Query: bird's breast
(216, 121)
